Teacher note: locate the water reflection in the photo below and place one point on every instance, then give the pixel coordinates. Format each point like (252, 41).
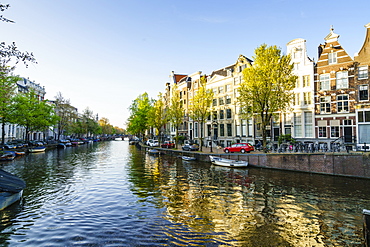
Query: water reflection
(111, 194)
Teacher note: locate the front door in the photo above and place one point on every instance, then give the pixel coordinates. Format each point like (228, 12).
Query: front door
(347, 134)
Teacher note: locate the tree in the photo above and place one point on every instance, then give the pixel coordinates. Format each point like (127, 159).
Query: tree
(138, 121)
(33, 114)
(7, 92)
(200, 106)
(175, 111)
(66, 112)
(2, 8)
(267, 86)
(157, 115)
(106, 127)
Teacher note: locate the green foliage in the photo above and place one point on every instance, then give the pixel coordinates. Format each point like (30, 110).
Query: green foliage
(200, 105)
(267, 86)
(138, 121)
(175, 110)
(286, 138)
(66, 112)
(35, 115)
(157, 114)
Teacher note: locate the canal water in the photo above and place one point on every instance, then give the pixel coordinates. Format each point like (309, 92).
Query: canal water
(112, 194)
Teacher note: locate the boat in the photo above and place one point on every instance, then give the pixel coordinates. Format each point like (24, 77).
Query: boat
(61, 145)
(11, 189)
(227, 162)
(37, 149)
(19, 153)
(7, 156)
(154, 152)
(187, 158)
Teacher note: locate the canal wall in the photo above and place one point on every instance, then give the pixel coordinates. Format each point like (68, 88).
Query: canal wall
(338, 164)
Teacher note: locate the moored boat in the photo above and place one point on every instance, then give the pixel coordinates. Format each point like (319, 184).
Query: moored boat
(11, 189)
(227, 162)
(154, 152)
(7, 156)
(37, 149)
(187, 158)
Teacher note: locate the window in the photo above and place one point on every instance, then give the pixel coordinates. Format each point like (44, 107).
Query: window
(222, 130)
(363, 116)
(325, 104)
(342, 79)
(297, 99)
(214, 102)
(332, 57)
(363, 92)
(228, 113)
(308, 124)
(221, 89)
(307, 98)
(342, 103)
(297, 125)
(222, 114)
(228, 99)
(306, 80)
(334, 131)
(227, 87)
(237, 129)
(322, 131)
(244, 128)
(362, 72)
(325, 82)
(221, 101)
(214, 115)
(214, 91)
(229, 131)
(195, 129)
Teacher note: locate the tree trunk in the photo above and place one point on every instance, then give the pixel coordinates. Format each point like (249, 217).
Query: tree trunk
(2, 133)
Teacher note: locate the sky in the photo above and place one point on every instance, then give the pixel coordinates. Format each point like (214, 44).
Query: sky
(102, 55)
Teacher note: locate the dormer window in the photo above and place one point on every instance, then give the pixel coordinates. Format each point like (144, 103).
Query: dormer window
(332, 57)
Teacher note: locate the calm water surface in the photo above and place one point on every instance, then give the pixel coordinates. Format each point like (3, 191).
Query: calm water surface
(111, 194)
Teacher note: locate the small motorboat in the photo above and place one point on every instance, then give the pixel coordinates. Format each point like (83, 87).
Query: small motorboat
(37, 149)
(7, 156)
(187, 158)
(11, 189)
(227, 162)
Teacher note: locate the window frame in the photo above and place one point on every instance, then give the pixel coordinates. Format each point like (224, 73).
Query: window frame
(325, 105)
(332, 58)
(363, 90)
(340, 80)
(325, 82)
(342, 104)
(363, 72)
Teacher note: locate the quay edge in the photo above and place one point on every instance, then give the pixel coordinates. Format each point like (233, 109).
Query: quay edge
(338, 164)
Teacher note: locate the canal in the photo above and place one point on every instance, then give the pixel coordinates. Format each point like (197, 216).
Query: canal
(112, 194)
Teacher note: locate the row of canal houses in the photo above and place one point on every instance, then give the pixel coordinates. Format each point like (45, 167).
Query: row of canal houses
(331, 102)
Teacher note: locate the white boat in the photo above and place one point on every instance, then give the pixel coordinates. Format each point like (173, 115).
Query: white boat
(11, 189)
(187, 158)
(227, 162)
(36, 149)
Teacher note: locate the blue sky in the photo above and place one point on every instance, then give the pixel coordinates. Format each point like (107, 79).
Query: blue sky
(103, 54)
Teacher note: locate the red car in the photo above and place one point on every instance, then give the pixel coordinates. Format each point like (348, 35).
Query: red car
(239, 147)
(168, 144)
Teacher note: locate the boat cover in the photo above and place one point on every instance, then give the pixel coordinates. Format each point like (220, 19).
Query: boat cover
(10, 182)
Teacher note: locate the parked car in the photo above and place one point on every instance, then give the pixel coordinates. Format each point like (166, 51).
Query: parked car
(168, 144)
(155, 143)
(190, 147)
(148, 142)
(239, 147)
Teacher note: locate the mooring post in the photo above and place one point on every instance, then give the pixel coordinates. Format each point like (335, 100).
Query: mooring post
(366, 215)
